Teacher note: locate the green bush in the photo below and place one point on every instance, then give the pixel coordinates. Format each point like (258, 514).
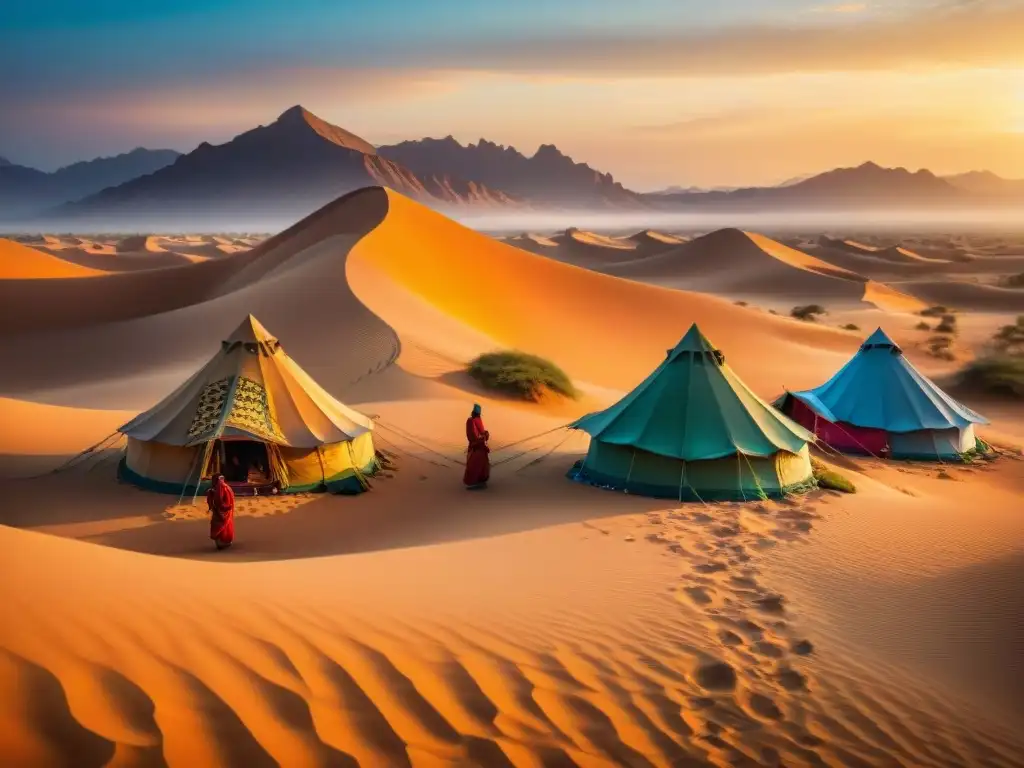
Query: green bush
(923, 326)
(999, 374)
(941, 347)
(850, 327)
(830, 479)
(808, 312)
(520, 375)
(948, 324)
(1010, 338)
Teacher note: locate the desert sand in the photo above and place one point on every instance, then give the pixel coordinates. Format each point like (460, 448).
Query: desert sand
(538, 623)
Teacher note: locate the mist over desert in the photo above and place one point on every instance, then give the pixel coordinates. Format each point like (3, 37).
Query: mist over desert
(541, 621)
(526, 385)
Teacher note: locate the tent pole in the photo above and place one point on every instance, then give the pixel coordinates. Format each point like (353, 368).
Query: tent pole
(199, 479)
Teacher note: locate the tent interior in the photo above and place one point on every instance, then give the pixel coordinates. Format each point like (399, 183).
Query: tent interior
(245, 464)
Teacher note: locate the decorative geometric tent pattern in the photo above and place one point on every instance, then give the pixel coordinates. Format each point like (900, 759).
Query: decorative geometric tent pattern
(211, 405)
(250, 411)
(251, 390)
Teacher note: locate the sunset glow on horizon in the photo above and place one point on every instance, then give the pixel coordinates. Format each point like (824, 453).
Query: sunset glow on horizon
(669, 93)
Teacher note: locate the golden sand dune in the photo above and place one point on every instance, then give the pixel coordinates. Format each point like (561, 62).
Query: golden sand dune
(966, 296)
(738, 264)
(896, 253)
(649, 242)
(550, 308)
(539, 623)
(531, 242)
(645, 235)
(578, 246)
(19, 264)
(140, 243)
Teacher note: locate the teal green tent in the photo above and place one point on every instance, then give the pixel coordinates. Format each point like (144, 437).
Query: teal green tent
(692, 430)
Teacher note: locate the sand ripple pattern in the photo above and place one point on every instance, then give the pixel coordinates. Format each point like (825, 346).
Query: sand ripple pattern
(708, 668)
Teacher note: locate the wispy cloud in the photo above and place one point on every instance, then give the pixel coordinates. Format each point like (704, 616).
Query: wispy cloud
(978, 33)
(840, 8)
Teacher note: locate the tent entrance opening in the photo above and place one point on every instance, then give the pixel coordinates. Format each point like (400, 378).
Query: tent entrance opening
(246, 464)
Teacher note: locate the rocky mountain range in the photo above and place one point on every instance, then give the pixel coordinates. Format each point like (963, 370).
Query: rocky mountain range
(25, 190)
(272, 175)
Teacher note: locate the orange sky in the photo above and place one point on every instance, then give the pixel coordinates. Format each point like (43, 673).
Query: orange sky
(677, 93)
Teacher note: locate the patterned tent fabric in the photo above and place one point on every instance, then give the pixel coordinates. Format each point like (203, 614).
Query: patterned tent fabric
(250, 387)
(250, 411)
(211, 406)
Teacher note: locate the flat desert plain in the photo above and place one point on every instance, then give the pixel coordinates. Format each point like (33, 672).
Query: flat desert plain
(537, 623)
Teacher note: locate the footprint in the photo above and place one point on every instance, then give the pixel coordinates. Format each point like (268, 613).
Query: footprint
(765, 707)
(699, 595)
(771, 603)
(802, 648)
(770, 650)
(716, 676)
(792, 680)
(712, 567)
(730, 638)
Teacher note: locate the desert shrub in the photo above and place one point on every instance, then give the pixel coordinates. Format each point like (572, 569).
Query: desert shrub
(830, 479)
(772, 312)
(742, 303)
(1014, 281)
(1010, 338)
(937, 311)
(850, 327)
(808, 312)
(998, 374)
(520, 375)
(947, 325)
(941, 347)
(923, 326)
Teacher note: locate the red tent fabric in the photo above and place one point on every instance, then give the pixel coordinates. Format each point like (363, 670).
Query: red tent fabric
(844, 438)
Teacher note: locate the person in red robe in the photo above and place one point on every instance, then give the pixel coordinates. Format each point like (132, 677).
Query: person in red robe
(221, 501)
(478, 463)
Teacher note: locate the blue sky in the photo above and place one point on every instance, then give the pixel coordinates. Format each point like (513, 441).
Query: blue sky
(84, 78)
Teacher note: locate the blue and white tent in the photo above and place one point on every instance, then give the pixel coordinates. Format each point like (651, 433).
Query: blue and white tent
(880, 391)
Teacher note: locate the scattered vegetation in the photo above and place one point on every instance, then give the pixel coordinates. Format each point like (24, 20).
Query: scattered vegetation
(1014, 281)
(998, 374)
(808, 312)
(742, 303)
(772, 312)
(850, 327)
(830, 479)
(936, 311)
(1009, 340)
(948, 324)
(923, 326)
(941, 347)
(521, 375)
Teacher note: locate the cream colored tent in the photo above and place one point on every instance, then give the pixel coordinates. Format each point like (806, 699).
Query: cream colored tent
(250, 400)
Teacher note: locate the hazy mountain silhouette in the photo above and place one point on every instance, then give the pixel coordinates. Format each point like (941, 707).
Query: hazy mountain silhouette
(24, 189)
(281, 172)
(986, 183)
(866, 186)
(549, 177)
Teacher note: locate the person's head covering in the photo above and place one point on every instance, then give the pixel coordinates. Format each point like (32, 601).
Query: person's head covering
(476, 409)
(219, 479)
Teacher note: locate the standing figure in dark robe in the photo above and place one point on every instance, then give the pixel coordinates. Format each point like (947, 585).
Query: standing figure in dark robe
(478, 463)
(221, 501)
